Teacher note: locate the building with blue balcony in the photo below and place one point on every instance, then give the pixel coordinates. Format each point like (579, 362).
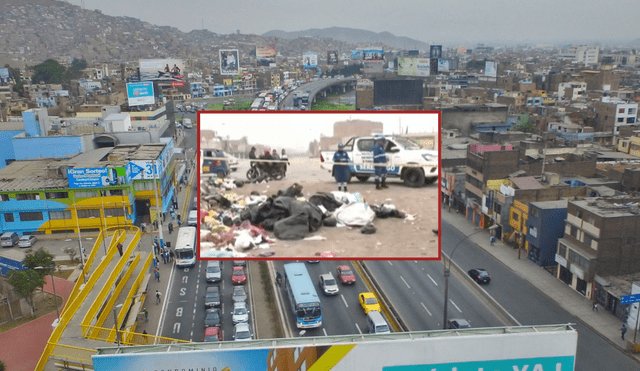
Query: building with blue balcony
(545, 225)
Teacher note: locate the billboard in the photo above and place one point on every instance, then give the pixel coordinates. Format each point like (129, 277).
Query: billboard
(150, 169)
(443, 65)
(265, 55)
(545, 350)
(373, 66)
(387, 92)
(435, 51)
(96, 177)
(413, 53)
(414, 66)
(161, 69)
(310, 59)
(229, 62)
(373, 54)
(140, 93)
(491, 68)
(4, 75)
(332, 57)
(356, 54)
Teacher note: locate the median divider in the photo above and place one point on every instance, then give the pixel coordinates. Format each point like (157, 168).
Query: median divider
(279, 300)
(510, 320)
(389, 311)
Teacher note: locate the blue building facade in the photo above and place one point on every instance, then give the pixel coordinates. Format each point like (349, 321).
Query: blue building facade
(545, 225)
(35, 147)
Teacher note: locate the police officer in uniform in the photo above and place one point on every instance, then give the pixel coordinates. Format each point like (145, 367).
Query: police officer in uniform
(380, 157)
(341, 172)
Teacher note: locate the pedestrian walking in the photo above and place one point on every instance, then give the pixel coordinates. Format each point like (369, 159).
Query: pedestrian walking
(492, 240)
(157, 274)
(164, 257)
(170, 227)
(171, 255)
(158, 294)
(155, 261)
(146, 314)
(120, 249)
(173, 215)
(164, 216)
(380, 157)
(595, 307)
(623, 330)
(155, 225)
(143, 227)
(341, 172)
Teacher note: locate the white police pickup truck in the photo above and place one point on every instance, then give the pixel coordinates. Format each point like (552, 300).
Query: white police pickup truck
(405, 160)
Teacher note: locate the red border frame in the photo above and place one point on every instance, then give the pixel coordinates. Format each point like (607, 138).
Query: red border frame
(198, 170)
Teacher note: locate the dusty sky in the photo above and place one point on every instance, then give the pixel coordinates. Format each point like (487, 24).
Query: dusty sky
(431, 21)
(297, 130)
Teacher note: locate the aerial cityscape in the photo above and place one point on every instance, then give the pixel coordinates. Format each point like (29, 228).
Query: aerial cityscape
(300, 186)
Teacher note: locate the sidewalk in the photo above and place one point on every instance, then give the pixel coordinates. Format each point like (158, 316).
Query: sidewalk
(602, 322)
(15, 354)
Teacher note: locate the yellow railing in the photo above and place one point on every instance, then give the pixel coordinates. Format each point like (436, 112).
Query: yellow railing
(130, 337)
(71, 354)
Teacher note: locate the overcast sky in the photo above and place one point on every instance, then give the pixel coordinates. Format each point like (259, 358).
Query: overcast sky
(431, 21)
(297, 130)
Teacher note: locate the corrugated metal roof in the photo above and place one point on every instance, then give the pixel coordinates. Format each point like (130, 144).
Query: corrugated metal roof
(527, 182)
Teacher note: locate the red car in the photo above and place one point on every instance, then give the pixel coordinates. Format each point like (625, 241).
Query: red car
(346, 275)
(239, 277)
(212, 334)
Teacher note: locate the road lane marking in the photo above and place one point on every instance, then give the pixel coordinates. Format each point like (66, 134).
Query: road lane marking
(432, 280)
(179, 312)
(405, 282)
(325, 332)
(389, 261)
(344, 301)
(425, 308)
(183, 291)
(185, 279)
(176, 328)
(454, 304)
(358, 327)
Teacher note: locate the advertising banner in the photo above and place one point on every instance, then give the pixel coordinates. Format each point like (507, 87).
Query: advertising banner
(356, 54)
(435, 51)
(265, 55)
(161, 69)
(4, 75)
(332, 57)
(491, 68)
(140, 93)
(373, 66)
(373, 54)
(229, 62)
(443, 65)
(96, 177)
(413, 66)
(310, 60)
(554, 350)
(177, 83)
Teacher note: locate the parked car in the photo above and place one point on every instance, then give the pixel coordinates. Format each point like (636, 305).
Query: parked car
(232, 160)
(213, 272)
(239, 263)
(328, 284)
(218, 167)
(212, 335)
(240, 313)
(479, 275)
(458, 323)
(27, 241)
(368, 302)
(238, 277)
(212, 297)
(345, 274)
(239, 294)
(242, 332)
(212, 318)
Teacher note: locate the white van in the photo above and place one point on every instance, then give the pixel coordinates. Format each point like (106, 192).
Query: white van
(376, 323)
(192, 219)
(187, 123)
(9, 239)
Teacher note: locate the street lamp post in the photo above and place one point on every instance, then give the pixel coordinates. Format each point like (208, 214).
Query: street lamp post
(447, 272)
(53, 283)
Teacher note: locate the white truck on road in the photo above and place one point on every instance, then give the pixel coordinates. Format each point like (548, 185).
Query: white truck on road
(405, 160)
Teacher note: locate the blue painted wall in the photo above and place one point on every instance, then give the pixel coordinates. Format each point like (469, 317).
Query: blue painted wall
(14, 207)
(35, 147)
(6, 146)
(549, 227)
(31, 125)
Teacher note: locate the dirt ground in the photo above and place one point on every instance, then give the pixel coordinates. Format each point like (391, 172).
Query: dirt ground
(44, 303)
(394, 238)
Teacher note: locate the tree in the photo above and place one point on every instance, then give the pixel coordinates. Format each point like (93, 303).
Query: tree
(77, 65)
(14, 73)
(51, 72)
(25, 282)
(40, 258)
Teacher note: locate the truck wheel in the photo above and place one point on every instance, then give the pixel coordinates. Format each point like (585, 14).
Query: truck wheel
(362, 178)
(414, 178)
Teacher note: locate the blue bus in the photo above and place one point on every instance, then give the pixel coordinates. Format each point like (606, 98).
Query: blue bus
(305, 303)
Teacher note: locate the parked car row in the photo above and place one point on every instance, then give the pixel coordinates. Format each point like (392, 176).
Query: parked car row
(10, 239)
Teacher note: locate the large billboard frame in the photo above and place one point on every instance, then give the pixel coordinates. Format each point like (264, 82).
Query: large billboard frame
(229, 62)
(140, 94)
(414, 66)
(310, 60)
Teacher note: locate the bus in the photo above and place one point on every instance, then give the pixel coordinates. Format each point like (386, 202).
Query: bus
(304, 300)
(257, 103)
(185, 250)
